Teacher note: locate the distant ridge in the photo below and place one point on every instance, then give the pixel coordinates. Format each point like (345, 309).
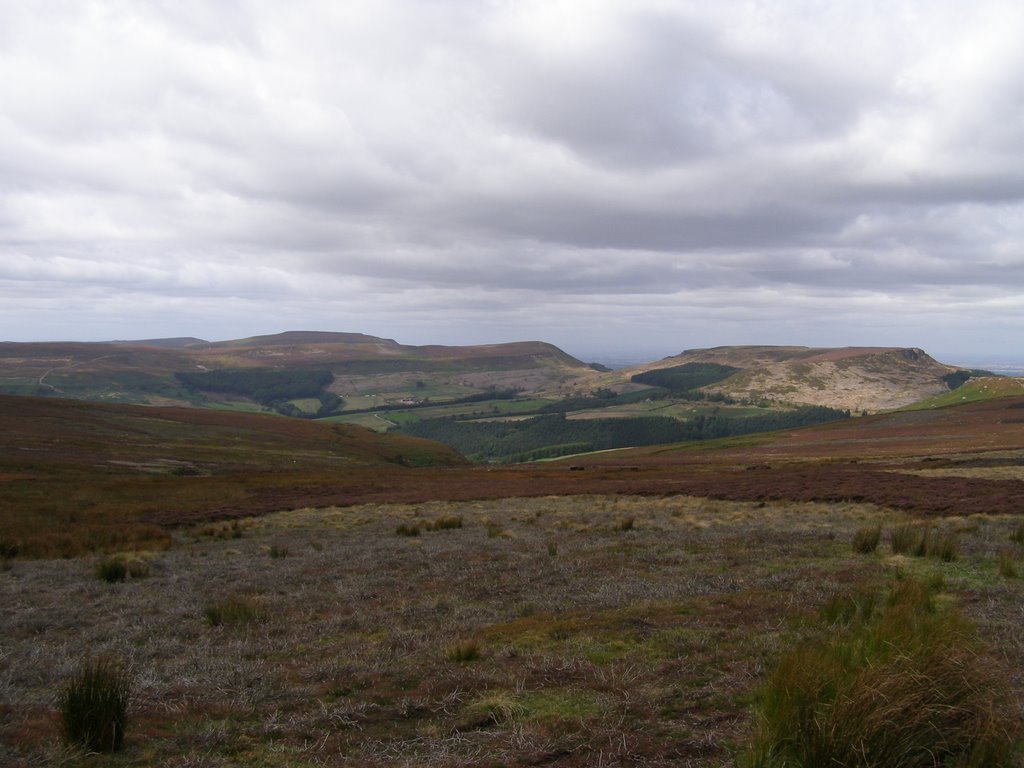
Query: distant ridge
(290, 338)
(357, 369)
(179, 342)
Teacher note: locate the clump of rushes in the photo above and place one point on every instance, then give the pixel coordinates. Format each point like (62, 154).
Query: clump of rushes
(115, 568)
(234, 610)
(93, 706)
(945, 547)
(467, 650)
(1017, 535)
(405, 529)
(865, 540)
(903, 686)
(1007, 565)
(626, 524)
(845, 608)
(112, 570)
(923, 544)
(905, 538)
(278, 550)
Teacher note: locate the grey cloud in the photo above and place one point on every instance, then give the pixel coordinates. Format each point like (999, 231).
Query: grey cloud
(515, 166)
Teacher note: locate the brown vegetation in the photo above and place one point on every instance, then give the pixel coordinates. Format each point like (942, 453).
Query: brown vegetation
(80, 477)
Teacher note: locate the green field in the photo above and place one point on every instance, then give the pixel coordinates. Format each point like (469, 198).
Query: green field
(972, 391)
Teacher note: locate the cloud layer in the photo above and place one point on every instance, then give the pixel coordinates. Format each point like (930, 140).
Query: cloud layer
(616, 178)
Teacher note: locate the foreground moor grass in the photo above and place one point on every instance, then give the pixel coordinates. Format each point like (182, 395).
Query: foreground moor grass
(537, 631)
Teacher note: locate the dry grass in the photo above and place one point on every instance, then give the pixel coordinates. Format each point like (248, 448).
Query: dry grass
(590, 647)
(902, 686)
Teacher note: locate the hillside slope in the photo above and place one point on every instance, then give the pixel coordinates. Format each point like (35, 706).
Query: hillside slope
(850, 378)
(150, 372)
(76, 476)
(980, 388)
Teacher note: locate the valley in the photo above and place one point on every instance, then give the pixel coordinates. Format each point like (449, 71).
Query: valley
(501, 403)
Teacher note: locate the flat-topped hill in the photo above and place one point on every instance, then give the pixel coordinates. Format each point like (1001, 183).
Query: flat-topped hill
(849, 378)
(379, 370)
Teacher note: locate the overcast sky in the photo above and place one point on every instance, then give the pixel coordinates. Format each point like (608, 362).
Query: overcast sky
(623, 179)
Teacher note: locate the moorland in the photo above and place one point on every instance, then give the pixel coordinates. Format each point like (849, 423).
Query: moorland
(304, 591)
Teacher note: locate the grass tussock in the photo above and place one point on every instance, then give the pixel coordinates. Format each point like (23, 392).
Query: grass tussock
(278, 551)
(232, 611)
(626, 524)
(865, 540)
(1008, 565)
(1017, 535)
(466, 650)
(905, 538)
(111, 570)
(407, 529)
(122, 566)
(922, 541)
(93, 706)
(903, 685)
(226, 530)
(845, 608)
(447, 523)
(946, 547)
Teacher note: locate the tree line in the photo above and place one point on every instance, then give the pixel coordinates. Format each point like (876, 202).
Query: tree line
(270, 388)
(555, 435)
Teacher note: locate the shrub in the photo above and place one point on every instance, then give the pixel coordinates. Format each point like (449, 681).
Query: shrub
(404, 529)
(903, 687)
(865, 540)
(237, 609)
(93, 706)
